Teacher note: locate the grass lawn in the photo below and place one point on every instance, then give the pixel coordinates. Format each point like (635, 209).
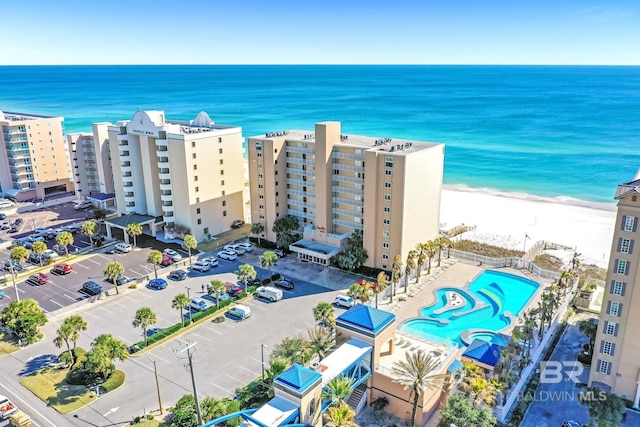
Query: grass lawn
(7, 344)
(225, 238)
(152, 423)
(48, 384)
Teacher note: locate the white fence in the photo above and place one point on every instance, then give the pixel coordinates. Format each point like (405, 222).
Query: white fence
(514, 262)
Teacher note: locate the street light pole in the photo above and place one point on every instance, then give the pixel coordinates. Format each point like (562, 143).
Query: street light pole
(262, 347)
(193, 379)
(155, 371)
(15, 285)
(189, 296)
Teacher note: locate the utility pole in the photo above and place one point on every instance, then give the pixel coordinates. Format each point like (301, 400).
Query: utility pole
(262, 359)
(193, 378)
(13, 277)
(189, 296)
(155, 371)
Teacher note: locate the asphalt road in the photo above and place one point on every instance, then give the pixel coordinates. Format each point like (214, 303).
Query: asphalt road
(227, 355)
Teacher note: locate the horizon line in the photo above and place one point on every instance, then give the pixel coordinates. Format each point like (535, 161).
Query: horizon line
(321, 65)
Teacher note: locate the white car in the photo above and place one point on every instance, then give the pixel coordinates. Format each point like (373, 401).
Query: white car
(36, 238)
(175, 256)
(83, 205)
(123, 247)
(234, 249)
(201, 266)
(247, 246)
(212, 261)
(344, 301)
(49, 253)
(229, 256)
(6, 225)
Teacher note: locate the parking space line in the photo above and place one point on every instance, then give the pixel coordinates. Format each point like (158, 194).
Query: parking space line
(70, 297)
(56, 302)
(95, 262)
(223, 389)
(249, 370)
(121, 305)
(214, 330)
(83, 266)
(87, 313)
(235, 379)
(126, 341)
(158, 357)
(204, 338)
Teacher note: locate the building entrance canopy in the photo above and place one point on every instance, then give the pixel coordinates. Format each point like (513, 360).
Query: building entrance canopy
(314, 251)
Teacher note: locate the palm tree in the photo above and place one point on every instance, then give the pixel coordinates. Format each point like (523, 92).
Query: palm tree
(383, 283)
(479, 390)
(134, 229)
(576, 261)
(179, 302)
(442, 243)
(421, 257)
(69, 331)
(89, 228)
(430, 250)
(320, 340)
(38, 248)
(212, 408)
(257, 229)
(145, 317)
(360, 291)
(409, 267)
(417, 373)
(589, 328)
(112, 271)
(338, 389)
(396, 273)
(528, 328)
(65, 239)
(268, 259)
(341, 415)
(189, 243)
(245, 273)
(217, 288)
(155, 258)
(323, 312)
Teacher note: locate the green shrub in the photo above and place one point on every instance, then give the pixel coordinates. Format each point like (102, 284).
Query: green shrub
(150, 417)
(251, 289)
(241, 295)
(115, 380)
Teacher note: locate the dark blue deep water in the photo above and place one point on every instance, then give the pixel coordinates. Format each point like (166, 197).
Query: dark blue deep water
(547, 131)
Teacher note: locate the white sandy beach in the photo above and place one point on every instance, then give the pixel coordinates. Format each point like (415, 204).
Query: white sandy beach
(504, 219)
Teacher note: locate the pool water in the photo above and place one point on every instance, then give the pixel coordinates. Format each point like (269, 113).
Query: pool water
(486, 300)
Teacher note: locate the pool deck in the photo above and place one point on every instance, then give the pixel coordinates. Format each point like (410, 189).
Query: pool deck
(451, 274)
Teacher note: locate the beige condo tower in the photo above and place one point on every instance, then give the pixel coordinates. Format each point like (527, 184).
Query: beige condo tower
(616, 357)
(34, 157)
(336, 184)
(183, 173)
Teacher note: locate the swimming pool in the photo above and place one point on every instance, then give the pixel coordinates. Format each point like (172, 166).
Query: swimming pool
(484, 307)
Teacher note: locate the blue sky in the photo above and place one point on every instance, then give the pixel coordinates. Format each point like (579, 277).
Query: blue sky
(320, 32)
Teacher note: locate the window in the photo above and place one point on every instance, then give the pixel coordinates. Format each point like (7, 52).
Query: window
(276, 194)
(198, 210)
(195, 167)
(385, 245)
(387, 185)
(261, 207)
(221, 161)
(387, 172)
(622, 266)
(385, 233)
(220, 151)
(197, 189)
(385, 256)
(604, 367)
(259, 165)
(193, 144)
(617, 288)
(194, 155)
(261, 216)
(222, 182)
(625, 245)
(219, 139)
(197, 199)
(607, 348)
(614, 308)
(611, 328)
(275, 151)
(629, 223)
(259, 154)
(387, 209)
(276, 182)
(387, 197)
(388, 162)
(261, 196)
(386, 221)
(276, 173)
(223, 192)
(260, 176)
(221, 171)
(260, 186)
(634, 198)
(199, 221)
(195, 178)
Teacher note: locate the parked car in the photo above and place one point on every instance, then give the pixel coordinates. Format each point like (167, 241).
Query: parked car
(98, 239)
(13, 229)
(18, 222)
(279, 252)
(344, 301)
(71, 228)
(121, 280)
(212, 261)
(236, 248)
(92, 288)
(2, 215)
(10, 264)
(247, 246)
(5, 225)
(229, 256)
(36, 237)
(233, 289)
(223, 297)
(175, 256)
(284, 283)
(62, 268)
(254, 282)
(237, 223)
(178, 275)
(50, 254)
(166, 260)
(38, 279)
(36, 258)
(60, 250)
(239, 311)
(231, 249)
(200, 266)
(270, 293)
(123, 247)
(83, 205)
(571, 423)
(158, 284)
(198, 304)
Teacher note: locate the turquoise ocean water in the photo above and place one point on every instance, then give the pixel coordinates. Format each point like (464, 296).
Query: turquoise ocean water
(565, 132)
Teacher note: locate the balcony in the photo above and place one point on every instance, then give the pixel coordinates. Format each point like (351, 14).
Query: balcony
(353, 202)
(347, 212)
(125, 154)
(166, 186)
(293, 181)
(351, 168)
(301, 172)
(18, 148)
(17, 165)
(300, 150)
(21, 155)
(129, 198)
(340, 189)
(301, 214)
(126, 167)
(165, 176)
(167, 204)
(16, 139)
(301, 193)
(342, 178)
(163, 163)
(168, 219)
(299, 161)
(124, 144)
(127, 175)
(13, 131)
(301, 203)
(166, 196)
(352, 224)
(162, 153)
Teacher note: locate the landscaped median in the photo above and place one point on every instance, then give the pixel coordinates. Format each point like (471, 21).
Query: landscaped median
(8, 344)
(196, 319)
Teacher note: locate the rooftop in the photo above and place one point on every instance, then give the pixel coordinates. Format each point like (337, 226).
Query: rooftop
(15, 117)
(298, 377)
(484, 352)
(366, 317)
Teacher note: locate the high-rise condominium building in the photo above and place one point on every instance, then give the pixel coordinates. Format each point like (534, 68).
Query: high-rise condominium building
(336, 184)
(188, 173)
(616, 356)
(91, 161)
(34, 156)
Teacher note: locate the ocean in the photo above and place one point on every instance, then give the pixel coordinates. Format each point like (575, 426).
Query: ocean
(551, 131)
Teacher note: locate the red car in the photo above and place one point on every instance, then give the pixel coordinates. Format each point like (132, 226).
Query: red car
(166, 260)
(62, 269)
(38, 279)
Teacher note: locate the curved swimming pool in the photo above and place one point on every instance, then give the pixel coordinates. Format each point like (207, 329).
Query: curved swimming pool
(486, 304)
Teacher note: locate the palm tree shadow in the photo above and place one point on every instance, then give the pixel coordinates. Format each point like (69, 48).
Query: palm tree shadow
(36, 363)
